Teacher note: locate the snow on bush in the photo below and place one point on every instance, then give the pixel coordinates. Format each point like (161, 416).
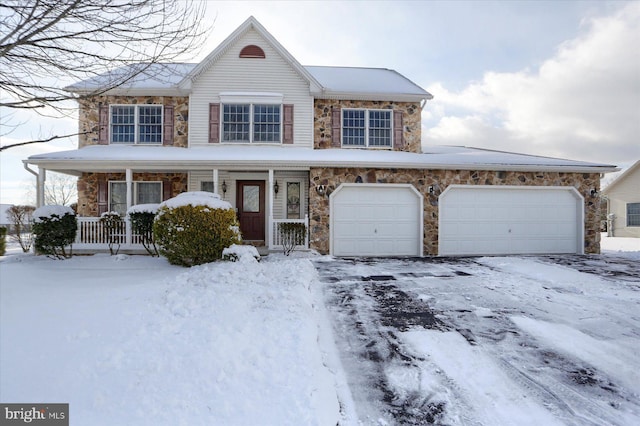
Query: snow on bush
(144, 208)
(51, 212)
(54, 228)
(240, 253)
(197, 198)
(194, 228)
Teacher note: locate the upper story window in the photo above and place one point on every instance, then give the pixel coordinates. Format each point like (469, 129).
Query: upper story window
(367, 128)
(136, 124)
(251, 123)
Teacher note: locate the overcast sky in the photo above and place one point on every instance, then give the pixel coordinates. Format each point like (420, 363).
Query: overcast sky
(550, 78)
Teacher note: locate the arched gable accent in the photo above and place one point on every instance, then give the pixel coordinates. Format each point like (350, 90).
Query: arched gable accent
(252, 51)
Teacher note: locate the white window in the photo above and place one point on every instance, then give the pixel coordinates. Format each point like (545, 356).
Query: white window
(633, 214)
(136, 124)
(367, 128)
(143, 193)
(260, 123)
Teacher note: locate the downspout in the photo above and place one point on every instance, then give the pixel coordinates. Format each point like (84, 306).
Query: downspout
(39, 190)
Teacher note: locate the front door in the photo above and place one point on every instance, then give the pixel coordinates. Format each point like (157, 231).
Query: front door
(250, 202)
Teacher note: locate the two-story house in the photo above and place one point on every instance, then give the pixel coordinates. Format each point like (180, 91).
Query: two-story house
(337, 148)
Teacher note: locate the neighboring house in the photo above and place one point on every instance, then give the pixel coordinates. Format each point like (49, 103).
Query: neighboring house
(5, 220)
(623, 201)
(337, 148)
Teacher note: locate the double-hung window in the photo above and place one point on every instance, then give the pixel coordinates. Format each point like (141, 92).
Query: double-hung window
(633, 214)
(367, 128)
(136, 124)
(143, 193)
(251, 123)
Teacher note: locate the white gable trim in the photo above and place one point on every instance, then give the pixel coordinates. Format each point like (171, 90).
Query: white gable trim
(250, 23)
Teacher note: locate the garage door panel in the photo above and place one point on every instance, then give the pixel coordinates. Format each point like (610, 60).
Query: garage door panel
(508, 220)
(376, 220)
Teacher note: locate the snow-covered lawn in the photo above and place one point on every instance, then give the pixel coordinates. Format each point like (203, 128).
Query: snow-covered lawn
(133, 340)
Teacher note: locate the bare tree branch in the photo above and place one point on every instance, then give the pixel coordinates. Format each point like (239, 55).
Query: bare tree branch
(45, 45)
(49, 139)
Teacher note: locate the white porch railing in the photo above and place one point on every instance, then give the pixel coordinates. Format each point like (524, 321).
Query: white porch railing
(276, 236)
(93, 235)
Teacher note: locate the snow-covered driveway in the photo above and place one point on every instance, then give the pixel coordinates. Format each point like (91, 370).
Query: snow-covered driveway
(489, 341)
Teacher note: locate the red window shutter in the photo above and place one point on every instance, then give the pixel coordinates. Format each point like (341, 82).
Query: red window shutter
(288, 124)
(214, 123)
(336, 127)
(103, 125)
(167, 136)
(103, 196)
(166, 189)
(398, 130)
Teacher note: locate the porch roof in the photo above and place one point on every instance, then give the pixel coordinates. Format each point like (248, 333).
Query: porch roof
(106, 158)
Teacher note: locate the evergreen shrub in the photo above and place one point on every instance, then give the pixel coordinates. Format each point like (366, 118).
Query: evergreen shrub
(54, 228)
(194, 228)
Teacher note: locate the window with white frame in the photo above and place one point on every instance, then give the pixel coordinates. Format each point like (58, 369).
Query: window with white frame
(633, 214)
(136, 124)
(367, 128)
(143, 193)
(258, 123)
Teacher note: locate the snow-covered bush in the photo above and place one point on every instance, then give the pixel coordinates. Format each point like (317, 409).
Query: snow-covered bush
(114, 228)
(194, 228)
(142, 217)
(3, 241)
(54, 228)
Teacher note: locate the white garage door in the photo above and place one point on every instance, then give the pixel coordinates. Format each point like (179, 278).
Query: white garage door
(479, 220)
(376, 220)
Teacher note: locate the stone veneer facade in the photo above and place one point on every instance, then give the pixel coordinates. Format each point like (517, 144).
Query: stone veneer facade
(411, 116)
(319, 219)
(88, 187)
(89, 111)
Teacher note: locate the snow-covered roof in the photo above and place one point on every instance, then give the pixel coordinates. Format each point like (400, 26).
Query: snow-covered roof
(326, 82)
(343, 81)
(260, 157)
(159, 79)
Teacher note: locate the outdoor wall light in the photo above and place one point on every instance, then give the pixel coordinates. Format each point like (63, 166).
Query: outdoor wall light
(594, 192)
(224, 187)
(359, 179)
(431, 189)
(276, 188)
(321, 189)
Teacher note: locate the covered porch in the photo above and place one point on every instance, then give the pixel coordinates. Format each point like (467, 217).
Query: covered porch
(264, 196)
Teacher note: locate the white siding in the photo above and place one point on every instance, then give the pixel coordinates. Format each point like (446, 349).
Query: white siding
(233, 74)
(625, 191)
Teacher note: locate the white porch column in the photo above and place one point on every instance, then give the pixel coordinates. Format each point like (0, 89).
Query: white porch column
(215, 181)
(42, 177)
(129, 179)
(270, 221)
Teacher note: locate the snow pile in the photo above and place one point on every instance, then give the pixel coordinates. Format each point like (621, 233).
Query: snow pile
(51, 212)
(141, 343)
(144, 208)
(241, 253)
(197, 198)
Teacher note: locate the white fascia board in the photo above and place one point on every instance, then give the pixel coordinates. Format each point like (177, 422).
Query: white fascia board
(296, 164)
(251, 97)
(359, 96)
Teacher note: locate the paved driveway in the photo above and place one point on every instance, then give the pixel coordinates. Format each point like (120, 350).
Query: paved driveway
(505, 340)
